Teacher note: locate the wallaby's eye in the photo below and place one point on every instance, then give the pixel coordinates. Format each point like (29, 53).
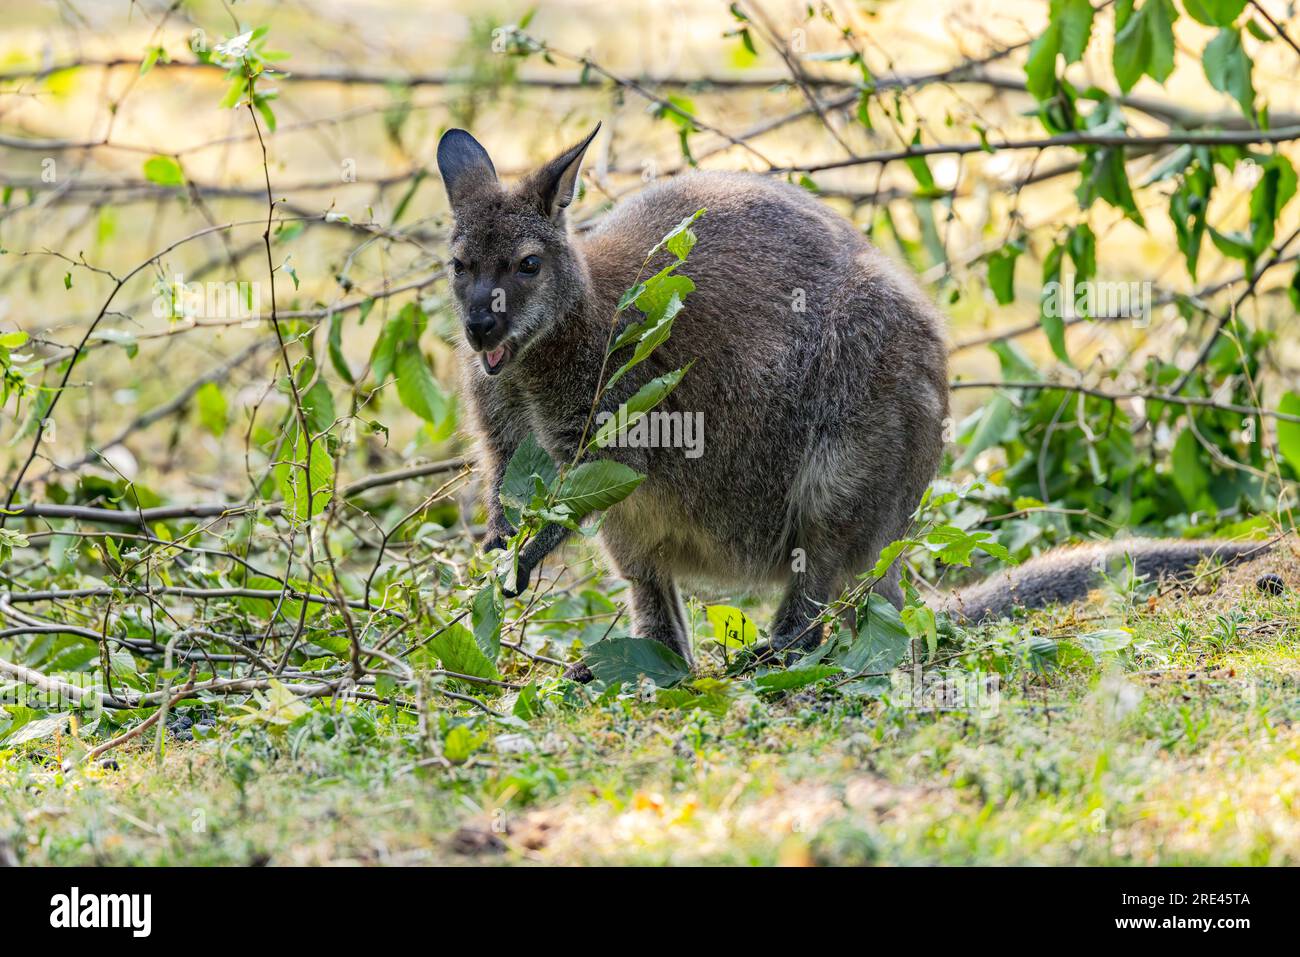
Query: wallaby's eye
(457, 266)
(529, 265)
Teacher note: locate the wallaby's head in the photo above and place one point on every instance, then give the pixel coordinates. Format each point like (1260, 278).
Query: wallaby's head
(514, 270)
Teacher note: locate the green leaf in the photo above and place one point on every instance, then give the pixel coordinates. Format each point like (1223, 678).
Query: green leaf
(527, 706)
(954, 545)
(882, 639)
(1288, 433)
(1228, 69)
(150, 58)
(731, 626)
(1015, 364)
(461, 742)
(529, 460)
(920, 169)
(626, 660)
(1144, 42)
(459, 652)
(399, 333)
(1214, 13)
(164, 171)
(306, 490)
(1082, 247)
(713, 695)
(1187, 209)
(1052, 304)
(488, 612)
(1069, 28)
(317, 400)
(1235, 245)
(1108, 641)
(635, 408)
(1188, 470)
(212, 408)
(993, 424)
(792, 678)
(1274, 190)
(337, 359)
(1075, 19)
(34, 730)
(889, 554)
(418, 389)
(1040, 67)
(9, 540)
(681, 244)
(595, 486)
(654, 332)
(1104, 176)
(1002, 272)
(685, 224)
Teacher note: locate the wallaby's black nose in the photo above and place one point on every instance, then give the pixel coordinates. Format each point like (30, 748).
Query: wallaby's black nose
(484, 329)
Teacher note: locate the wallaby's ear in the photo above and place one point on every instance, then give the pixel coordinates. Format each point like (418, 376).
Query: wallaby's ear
(465, 166)
(555, 183)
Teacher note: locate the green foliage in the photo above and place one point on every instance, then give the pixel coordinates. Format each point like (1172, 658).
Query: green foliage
(732, 628)
(1002, 271)
(881, 642)
(457, 649)
(627, 660)
(306, 479)
(1228, 69)
(1144, 41)
(397, 354)
(1075, 462)
(1069, 29)
(247, 59)
(164, 170)
(1288, 433)
(1214, 13)
(213, 410)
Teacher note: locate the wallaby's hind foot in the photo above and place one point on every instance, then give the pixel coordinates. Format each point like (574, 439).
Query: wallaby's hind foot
(657, 611)
(797, 626)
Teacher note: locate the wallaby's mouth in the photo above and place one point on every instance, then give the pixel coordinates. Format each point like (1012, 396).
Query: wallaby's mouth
(494, 360)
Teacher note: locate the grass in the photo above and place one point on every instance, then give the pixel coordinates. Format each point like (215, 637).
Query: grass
(1180, 749)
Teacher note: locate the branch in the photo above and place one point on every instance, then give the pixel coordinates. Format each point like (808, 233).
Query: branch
(1279, 252)
(1118, 396)
(1173, 138)
(144, 725)
(166, 513)
(177, 403)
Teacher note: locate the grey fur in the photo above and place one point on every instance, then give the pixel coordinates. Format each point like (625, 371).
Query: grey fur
(824, 425)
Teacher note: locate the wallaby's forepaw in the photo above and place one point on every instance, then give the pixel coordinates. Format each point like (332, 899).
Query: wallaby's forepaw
(516, 585)
(498, 534)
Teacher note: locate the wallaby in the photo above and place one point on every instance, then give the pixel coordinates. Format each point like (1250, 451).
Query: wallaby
(820, 368)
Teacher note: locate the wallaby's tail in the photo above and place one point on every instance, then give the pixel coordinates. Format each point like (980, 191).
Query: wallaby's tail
(1067, 574)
